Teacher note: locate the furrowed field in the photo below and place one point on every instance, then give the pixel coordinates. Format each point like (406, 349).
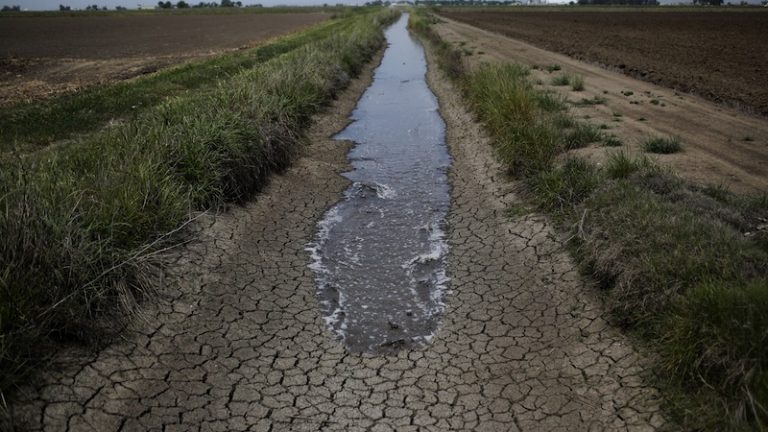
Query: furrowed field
(720, 55)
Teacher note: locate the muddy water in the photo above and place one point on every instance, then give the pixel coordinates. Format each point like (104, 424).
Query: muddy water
(379, 254)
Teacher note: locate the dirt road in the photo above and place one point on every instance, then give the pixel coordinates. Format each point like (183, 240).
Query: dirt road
(240, 342)
(720, 145)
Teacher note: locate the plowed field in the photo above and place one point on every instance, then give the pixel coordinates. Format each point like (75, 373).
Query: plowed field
(722, 56)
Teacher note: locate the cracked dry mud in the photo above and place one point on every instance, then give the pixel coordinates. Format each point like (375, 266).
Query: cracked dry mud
(238, 341)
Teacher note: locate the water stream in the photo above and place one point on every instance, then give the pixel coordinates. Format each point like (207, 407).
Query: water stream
(379, 253)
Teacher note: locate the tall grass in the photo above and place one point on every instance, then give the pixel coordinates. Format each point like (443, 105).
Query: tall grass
(504, 99)
(79, 224)
(683, 267)
(30, 126)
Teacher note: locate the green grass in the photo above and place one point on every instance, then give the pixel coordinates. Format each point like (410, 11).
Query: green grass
(561, 80)
(610, 140)
(81, 223)
(582, 135)
(558, 189)
(683, 267)
(31, 126)
(511, 109)
(575, 81)
(553, 68)
(621, 166)
(662, 145)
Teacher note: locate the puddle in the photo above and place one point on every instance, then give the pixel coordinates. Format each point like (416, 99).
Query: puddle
(379, 253)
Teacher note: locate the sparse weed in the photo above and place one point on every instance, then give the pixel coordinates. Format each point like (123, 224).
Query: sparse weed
(596, 100)
(561, 80)
(577, 82)
(553, 68)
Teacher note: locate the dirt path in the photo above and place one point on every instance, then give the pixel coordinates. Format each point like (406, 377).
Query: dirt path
(721, 145)
(240, 343)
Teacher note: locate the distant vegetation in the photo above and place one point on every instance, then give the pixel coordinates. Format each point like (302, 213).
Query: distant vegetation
(181, 4)
(620, 2)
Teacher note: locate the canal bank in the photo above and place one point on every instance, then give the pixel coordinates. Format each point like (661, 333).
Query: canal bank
(241, 343)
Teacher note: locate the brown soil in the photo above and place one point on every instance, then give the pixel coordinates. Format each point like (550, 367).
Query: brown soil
(722, 56)
(720, 145)
(43, 56)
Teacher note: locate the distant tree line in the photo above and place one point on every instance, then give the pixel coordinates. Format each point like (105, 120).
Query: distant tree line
(181, 4)
(468, 2)
(14, 8)
(620, 2)
(65, 8)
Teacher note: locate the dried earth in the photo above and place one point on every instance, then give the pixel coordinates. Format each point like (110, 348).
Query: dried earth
(720, 145)
(100, 49)
(239, 342)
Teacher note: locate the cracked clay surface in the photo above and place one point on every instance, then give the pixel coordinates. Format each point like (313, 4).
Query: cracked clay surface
(238, 341)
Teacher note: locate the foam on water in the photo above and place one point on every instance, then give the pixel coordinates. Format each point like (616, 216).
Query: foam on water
(379, 253)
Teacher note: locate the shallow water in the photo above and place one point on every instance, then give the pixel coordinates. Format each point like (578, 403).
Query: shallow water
(379, 254)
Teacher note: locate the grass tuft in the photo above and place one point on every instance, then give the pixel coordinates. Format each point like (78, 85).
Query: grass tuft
(561, 188)
(610, 140)
(661, 145)
(561, 80)
(577, 82)
(620, 165)
(582, 135)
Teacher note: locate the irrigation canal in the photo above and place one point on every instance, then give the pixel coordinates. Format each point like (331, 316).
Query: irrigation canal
(379, 254)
